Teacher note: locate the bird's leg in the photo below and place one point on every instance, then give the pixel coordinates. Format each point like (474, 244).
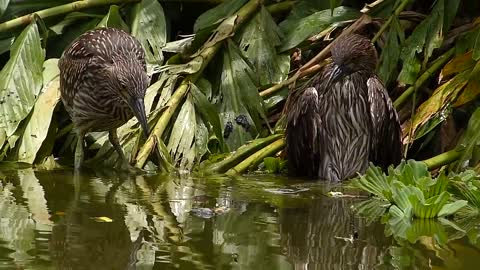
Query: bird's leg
(112, 136)
(79, 151)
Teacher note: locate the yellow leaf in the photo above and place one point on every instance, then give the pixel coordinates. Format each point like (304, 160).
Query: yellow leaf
(103, 219)
(458, 64)
(471, 92)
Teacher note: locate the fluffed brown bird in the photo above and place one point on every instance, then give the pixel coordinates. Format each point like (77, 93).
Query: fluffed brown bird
(344, 118)
(103, 80)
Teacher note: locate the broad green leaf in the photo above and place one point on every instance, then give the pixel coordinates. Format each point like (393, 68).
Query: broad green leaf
(258, 41)
(476, 48)
(38, 123)
(304, 8)
(469, 140)
(239, 99)
(114, 19)
(149, 27)
(207, 110)
(303, 28)
(3, 6)
(388, 64)
(382, 8)
(213, 17)
(20, 81)
(426, 37)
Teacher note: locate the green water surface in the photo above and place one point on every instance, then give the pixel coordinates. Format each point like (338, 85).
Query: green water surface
(94, 220)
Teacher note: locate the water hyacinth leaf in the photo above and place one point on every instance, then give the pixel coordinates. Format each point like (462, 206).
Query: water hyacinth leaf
(426, 37)
(39, 121)
(303, 28)
(20, 81)
(451, 208)
(258, 41)
(149, 27)
(213, 17)
(241, 107)
(114, 19)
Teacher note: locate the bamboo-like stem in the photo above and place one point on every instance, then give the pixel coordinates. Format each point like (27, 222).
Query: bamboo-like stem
(280, 7)
(256, 158)
(384, 27)
(207, 54)
(58, 10)
(242, 153)
(275, 88)
(443, 159)
(439, 63)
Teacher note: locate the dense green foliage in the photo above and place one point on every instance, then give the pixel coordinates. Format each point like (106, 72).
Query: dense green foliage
(216, 90)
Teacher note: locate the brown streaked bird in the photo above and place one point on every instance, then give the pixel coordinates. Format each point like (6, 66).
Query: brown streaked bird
(103, 80)
(344, 118)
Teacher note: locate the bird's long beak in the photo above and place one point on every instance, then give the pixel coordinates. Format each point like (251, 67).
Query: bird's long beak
(335, 73)
(138, 108)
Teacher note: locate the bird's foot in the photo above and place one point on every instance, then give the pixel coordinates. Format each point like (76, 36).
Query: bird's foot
(127, 168)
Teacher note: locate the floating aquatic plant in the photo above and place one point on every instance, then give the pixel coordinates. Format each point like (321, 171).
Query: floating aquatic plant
(411, 190)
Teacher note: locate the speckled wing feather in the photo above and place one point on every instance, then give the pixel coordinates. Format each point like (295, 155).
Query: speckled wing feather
(301, 134)
(387, 144)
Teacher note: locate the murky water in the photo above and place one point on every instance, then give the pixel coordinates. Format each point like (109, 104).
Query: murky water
(55, 220)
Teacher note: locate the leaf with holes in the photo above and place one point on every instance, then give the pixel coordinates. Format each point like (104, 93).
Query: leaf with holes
(20, 81)
(258, 41)
(149, 27)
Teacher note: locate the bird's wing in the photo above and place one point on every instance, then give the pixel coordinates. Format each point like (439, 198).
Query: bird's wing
(71, 71)
(387, 139)
(302, 131)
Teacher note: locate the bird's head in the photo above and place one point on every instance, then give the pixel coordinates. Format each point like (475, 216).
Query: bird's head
(130, 81)
(352, 53)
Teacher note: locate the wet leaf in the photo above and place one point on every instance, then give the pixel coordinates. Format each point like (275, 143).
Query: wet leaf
(451, 208)
(149, 27)
(20, 81)
(298, 31)
(258, 41)
(213, 17)
(114, 19)
(39, 121)
(240, 98)
(441, 98)
(469, 140)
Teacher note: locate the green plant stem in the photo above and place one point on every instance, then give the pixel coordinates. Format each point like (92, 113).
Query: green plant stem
(178, 96)
(257, 157)
(242, 153)
(439, 63)
(58, 10)
(280, 7)
(384, 27)
(443, 159)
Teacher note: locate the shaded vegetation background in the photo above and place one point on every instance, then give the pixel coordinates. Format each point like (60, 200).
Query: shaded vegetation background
(221, 72)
